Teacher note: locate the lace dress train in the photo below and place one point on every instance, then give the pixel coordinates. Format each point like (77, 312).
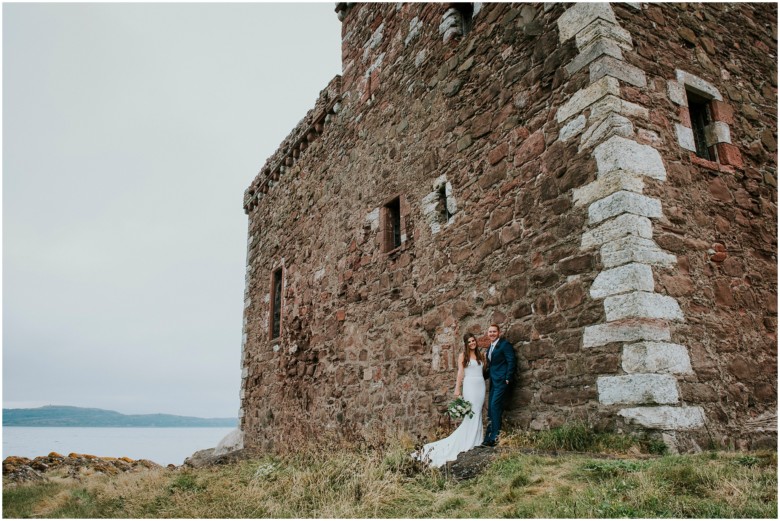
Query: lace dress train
(469, 433)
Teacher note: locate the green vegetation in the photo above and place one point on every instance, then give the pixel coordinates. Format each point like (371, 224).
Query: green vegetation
(66, 416)
(369, 482)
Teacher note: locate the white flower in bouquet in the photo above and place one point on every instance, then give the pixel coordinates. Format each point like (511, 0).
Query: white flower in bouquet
(459, 408)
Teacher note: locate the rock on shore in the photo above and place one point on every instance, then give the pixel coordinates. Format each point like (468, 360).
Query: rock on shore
(18, 469)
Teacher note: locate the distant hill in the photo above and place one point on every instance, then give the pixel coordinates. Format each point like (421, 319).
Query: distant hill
(66, 416)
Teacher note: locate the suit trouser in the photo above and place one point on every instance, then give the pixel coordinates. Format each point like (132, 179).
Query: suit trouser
(496, 399)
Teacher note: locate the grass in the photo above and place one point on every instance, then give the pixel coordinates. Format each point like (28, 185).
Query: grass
(373, 482)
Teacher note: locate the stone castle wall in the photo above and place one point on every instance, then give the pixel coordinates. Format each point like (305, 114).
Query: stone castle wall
(636, 280)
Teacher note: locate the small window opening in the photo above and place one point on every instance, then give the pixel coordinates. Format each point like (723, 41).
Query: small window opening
(393, 224)
(466, 11)
(276, 304)
(699, 109)
(444, 211)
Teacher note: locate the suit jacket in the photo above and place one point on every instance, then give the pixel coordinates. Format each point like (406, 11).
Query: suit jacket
(502, 365)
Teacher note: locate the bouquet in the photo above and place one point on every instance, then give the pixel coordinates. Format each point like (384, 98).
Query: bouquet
(459, 408)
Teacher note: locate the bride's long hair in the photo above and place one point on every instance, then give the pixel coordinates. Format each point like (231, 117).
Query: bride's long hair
(477, 351)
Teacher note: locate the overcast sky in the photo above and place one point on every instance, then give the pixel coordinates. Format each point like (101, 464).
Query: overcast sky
(130, 132)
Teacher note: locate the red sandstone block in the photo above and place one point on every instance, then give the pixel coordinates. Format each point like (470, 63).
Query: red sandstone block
(696, 160)
(722, 111)
(719, 257)
(730, 155)
(685, 117)
(341, 315)
(498, 153)
(530, 149)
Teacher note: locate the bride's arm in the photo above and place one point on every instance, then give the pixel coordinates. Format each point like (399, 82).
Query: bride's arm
(459, 381)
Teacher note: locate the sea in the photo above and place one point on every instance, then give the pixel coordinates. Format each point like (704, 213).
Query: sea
(163, 445)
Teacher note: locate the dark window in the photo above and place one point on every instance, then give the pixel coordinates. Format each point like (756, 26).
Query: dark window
(699, 109)
(392, 231)
(466, 15)
(444, 211)
(276, 304)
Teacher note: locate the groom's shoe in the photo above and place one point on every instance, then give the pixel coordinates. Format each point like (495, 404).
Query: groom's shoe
(488, 444)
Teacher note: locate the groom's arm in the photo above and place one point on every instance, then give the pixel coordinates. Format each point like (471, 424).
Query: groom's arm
(510, 361)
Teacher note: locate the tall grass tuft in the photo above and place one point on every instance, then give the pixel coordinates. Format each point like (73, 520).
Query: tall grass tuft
(579, 437)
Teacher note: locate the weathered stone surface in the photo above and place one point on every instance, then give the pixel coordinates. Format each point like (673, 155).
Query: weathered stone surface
(698, 84)
(614, 105)
(637, 389)
(625, 331)
(642, 304)
(611, 66)
(579, 15)
(676, 93)
(572, 128)
(619, 153)
(606, 185)
(656, 357)
(582, 99)
(665, 417)
(631, 277)
(717, 132)
(635, 249)
(619, 227)
(685, 137)
(623, 202)
(593, 51)
(604, 29)
(233, 441)
(612, 125)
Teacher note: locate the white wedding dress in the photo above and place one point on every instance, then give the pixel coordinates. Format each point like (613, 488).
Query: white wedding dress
(469, 433)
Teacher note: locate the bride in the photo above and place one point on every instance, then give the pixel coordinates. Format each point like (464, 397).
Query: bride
(469, 433)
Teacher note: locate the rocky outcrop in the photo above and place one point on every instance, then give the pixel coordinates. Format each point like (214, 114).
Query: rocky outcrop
(209, 457)
(18, 469)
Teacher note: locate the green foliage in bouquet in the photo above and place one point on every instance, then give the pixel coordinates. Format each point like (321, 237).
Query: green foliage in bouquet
(459, 408)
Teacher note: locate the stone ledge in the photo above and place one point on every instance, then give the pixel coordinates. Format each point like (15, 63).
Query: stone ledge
(642, 304)
(637, 389)
(656, 357)
(625, 331)
(666, 418)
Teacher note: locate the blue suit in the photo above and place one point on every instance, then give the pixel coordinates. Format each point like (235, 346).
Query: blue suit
(501, 369)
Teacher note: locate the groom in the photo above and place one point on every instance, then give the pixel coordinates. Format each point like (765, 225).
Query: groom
(501, 369)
